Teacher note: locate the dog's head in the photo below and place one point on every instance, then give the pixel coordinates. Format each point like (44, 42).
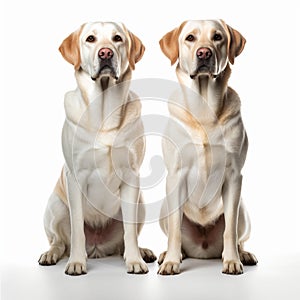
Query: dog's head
(202, 47)
(102, 49)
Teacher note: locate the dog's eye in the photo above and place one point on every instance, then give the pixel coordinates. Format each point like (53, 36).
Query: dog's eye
(217, 37)
(117, 38)
(190, 38)
(90, 39)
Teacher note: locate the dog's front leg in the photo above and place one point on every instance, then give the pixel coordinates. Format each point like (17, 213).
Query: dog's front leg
(77, 261)
(175, 199)
(231, 199)
(130, 194)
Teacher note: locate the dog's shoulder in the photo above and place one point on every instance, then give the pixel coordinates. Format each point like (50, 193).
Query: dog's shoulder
(74, 106)
(132, 109)
(231, 106)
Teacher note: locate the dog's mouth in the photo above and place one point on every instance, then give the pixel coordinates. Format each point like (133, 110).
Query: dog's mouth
(106, 70)
(204, 69)
(205, 63)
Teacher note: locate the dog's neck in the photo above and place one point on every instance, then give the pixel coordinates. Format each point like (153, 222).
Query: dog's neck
(104, 99)
(204, 88)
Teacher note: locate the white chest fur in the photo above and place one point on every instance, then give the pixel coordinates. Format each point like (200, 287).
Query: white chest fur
(102, 150)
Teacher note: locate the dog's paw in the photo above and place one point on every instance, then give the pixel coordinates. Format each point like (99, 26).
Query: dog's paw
(247, 258)
(48, 258)
(136, 267)
(232, 267)
(169, 265)
(162, 257)
(169, 268)
(75, 268)
(147, 255)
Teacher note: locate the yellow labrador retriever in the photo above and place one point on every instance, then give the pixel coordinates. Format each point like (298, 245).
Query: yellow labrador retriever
(206, 217)
(96, 208)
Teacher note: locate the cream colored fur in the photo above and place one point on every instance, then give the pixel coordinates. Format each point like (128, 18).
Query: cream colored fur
(96, 208)
(205, 151)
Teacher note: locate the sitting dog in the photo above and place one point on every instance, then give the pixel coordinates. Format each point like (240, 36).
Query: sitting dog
(96, 208)
(203, 215)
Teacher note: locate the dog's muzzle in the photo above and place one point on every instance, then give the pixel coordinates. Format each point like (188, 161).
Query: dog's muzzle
(106, 66)
(205, 63)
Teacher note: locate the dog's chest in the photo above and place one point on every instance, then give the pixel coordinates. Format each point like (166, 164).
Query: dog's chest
(100, 179)
(100, 170)
(202, 157)
(102, 165)
(213, 151)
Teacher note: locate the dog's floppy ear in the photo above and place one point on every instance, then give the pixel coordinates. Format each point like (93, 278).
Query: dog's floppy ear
(236, 44)
(136, 50)
(69, 49)
(169, 44)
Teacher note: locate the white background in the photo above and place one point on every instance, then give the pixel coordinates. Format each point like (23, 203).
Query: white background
(34, 80)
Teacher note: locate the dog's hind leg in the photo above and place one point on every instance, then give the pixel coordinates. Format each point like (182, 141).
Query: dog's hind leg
(57, 227)
(244, 228)
(147, 255)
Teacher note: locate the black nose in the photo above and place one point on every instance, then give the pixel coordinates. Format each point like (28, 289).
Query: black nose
(204, 53)
(105, 53)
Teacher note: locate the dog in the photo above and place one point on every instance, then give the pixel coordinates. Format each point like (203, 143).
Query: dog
(203, 214)
(96, 208)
